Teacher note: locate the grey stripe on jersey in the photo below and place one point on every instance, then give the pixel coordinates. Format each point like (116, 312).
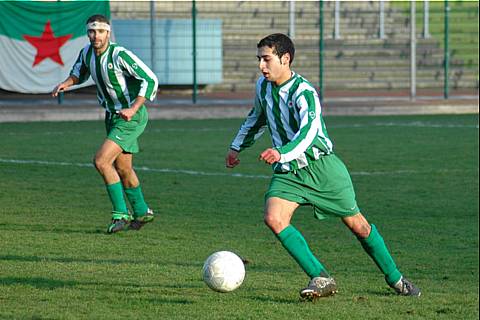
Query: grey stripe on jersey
(292, 112)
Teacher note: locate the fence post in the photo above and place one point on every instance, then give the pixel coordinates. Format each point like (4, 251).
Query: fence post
(381, 31)
(194, 53)
(152, 35)
(291, 19)
(413, 58)
(336, 31)
(320, 56)
(60, 94)
(426, 18)
(446, 52)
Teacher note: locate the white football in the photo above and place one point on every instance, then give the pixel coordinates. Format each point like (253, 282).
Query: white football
(223, 271)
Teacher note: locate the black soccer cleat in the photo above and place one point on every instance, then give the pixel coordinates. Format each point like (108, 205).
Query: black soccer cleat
(139, 222)
(117, 225)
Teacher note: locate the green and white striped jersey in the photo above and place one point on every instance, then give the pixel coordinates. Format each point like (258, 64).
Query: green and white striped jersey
(120, 76)
(292, 113)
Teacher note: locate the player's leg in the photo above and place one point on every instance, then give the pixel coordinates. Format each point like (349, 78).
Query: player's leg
(103, 161)
(278, 213)
(141, 212)
(374, 245)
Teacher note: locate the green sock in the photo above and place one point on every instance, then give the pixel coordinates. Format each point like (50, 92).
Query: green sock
(135, 197)
(298, 248)
(115, 192)
(378, 251)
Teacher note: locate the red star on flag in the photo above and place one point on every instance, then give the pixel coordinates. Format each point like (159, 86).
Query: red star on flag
(48, 46)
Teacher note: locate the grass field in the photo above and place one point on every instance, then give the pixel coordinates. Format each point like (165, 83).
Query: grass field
(416, 178)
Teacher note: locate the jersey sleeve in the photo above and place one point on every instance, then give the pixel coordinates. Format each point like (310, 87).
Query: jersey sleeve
(135, 67)
(80, 69)
(308, 104)
(252, 128)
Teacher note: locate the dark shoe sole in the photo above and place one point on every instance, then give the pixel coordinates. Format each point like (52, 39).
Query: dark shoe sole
(138, 224)
(313, 295)
(114, 228)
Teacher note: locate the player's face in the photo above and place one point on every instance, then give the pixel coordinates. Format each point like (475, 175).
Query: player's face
(99, 39)
(272, 67)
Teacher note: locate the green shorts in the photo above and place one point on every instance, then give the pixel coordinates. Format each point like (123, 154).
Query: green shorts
(325, 185)
(126, 133)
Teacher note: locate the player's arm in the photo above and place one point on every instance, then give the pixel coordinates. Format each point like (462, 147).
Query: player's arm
(308, 104)
(132, 65)
(232, 160)
(250, 131)
(70, 81)
(127, 114)
(135, 67)
(78, 74)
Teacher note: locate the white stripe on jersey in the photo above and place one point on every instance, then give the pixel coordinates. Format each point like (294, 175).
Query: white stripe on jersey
(302, 146)
(118, 66)
(299, 142)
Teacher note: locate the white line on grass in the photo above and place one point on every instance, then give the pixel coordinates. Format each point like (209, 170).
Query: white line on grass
(142, 168)
(418, 124)
(203, 173)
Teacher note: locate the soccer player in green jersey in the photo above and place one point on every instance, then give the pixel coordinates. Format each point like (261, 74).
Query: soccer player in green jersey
(123, 84)
(306, 170)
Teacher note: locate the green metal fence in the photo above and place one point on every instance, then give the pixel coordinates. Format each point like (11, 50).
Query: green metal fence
(365, 48)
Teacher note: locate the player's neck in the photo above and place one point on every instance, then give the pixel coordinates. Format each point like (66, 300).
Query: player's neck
(287, 75)
(100, 51)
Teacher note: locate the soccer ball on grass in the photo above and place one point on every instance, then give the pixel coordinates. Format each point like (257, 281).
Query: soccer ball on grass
(223, 271)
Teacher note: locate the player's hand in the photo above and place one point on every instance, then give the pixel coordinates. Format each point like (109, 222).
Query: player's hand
(127, 114)
(270, 156)
(231, 160)
(60, 87)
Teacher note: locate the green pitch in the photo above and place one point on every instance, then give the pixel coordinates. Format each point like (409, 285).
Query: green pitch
(416, 178)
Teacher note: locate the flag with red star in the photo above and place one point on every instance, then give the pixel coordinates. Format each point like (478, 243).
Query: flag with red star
(40, 41)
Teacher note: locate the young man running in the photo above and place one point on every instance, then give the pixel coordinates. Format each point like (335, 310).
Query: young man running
(306, 171)
(123, 83)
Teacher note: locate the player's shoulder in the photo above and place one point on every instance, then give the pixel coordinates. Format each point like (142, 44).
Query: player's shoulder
(261, 81)
(121, 51)
(116, 48)
(303, 84)
(85, 49)
(303, 81)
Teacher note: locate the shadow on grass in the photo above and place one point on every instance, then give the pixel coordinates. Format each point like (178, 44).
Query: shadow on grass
(67, 260)
(47, 283)
(39, 283)
(197, 265)
(49, 228)
(283, 301)
(52, 284)
(168, 301)
(378, 293)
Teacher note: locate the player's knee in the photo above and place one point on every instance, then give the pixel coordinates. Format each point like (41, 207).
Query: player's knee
(100, 164)
(362, 230)
(273, 221)
(123, 172)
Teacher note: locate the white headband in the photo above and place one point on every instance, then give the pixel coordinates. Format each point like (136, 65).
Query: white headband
(95, 25)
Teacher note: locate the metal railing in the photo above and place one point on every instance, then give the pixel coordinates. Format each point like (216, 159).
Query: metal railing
(365, 46)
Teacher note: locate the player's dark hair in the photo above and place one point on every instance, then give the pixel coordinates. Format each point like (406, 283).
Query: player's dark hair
(98, 18)
(280, 44)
